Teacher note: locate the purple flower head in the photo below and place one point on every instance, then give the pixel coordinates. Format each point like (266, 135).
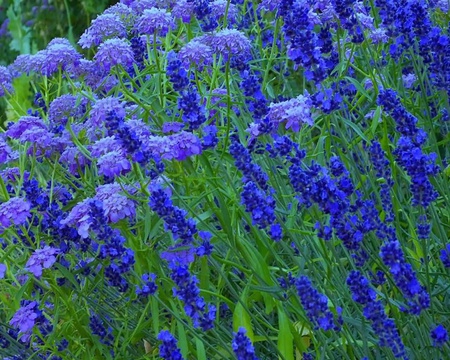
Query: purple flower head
(409, 80)
(5, 81)
(185, 256)
(124, 12)
(114, 52)
(445, 256)
(293, 112)
(196, 54)
(101, 110)
(74, 159)
(105, 26)
(439, 335)
(5, 151)
(155, 21)
(270, 5)
(115, 205)
(149, 287)
(242, 346)
(113, 164)
(79, 217)
(41, 259)
(379, 35)
(2, 271)
(24, 320)
(183, 10)
(25, 123)
(15, 211)
(172, 127)
(219, 8)
(183, 145)
(106, 145)
(139, 6)
(59, 54)
(229, 42)
(64, 107)
(169, 349)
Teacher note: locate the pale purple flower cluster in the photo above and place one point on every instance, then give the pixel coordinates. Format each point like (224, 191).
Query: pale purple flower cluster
(31, 129)
(106, 145)
(5, 151)
(183, 10)
(115, 205)
(74, 159)
(155, 21)
(113, 164)
(14, 211)
(195, 53)
(178, 146)
(229, 42)
(114, 52)
(24, 320)
(79, 217)
(221, 7)
(41, 259)
(293, 112)
(5, 81)
(105, 26)
(3, 269)
(101, 110)
(59, 54)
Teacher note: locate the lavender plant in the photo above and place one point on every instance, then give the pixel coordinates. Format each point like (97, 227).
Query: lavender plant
(230, 180)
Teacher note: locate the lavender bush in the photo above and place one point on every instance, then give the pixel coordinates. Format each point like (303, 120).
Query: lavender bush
(230, 180)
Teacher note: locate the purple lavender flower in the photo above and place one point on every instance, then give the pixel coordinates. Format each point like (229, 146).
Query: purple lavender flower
(114, 52)
(242, 346)
(113, 164)
(139, 6)
(379, 35)
(293, 112)
(63, 107)
(270, 5)
(409, 80)
(23, 124)
(105, 26)
(154, 21)
(79, 217)
(3, 269)
(183, 10)
(59, 54)
(14, 211)
(169, 349)
(149, 287)
(445, 256)
(439, 335)
(383, 326)
(41, 259)
(25, 319)
(124, 12)
(5, 81)
(196, 54)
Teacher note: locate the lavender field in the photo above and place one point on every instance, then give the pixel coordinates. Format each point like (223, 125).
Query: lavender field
(225, 179)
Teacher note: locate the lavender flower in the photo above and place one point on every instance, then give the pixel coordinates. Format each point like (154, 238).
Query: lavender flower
(102, 109)
(409, 80)
(154, 21)
(383, 326)
(114, 52)
(105, 26)
(221, 7)
(242, 346)
(41, 259)
(168, 349)
(445, 256)
(5, 81)
(315, 305)
(124, 12)
(15, 211)
(293, 112)
(75, 160)
(439, 335)
(5, 151)
(149, 287)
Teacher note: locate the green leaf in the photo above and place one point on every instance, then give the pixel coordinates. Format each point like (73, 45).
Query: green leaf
(285, 337)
